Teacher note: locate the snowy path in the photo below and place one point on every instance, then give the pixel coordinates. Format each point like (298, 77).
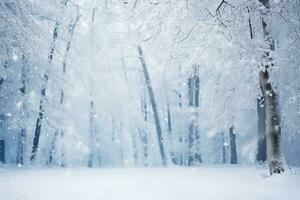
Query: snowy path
(203, 183)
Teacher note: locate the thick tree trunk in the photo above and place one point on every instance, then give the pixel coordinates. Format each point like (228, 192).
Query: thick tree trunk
(273, 121)
(154, 107)
(233, 154)
(273, 124)
(261, 154)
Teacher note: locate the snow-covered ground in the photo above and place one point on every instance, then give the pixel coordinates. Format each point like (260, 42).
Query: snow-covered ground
(201, 183)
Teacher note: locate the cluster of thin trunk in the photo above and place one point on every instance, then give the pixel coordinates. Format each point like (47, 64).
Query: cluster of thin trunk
(43, 93)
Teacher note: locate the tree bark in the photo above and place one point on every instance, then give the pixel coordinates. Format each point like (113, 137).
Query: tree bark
(2, 151)
(2, 141)
(2, 79)
(72, 27)
(154, 107)
(273, 121)
(143, 131)
(261, 154)
(223, 149)
(43, 96)
(273, 124)
(91, 132)
(23, 113)
(233, 154)
(194, 155)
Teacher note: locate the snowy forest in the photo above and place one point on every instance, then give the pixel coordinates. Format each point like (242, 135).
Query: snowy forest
(149, 88)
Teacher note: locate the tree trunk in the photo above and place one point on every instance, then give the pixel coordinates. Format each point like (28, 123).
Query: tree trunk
(219, 148)
(261, 154)
(273, 121)
(92, 114)
(194, 155)
(72, 27)
(2, 141)
(224, 156)
(143, 131)
(2, 151)
(43, 96)
(233, 154)
(2, 79)
(273, 124)
(92, 111)
(52, 150)
(23, 114)
(154, 107)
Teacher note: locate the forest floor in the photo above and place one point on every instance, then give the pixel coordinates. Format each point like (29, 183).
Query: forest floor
(198, 183)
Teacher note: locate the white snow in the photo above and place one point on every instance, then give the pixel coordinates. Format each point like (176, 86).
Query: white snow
(201, 183)
(277, 127)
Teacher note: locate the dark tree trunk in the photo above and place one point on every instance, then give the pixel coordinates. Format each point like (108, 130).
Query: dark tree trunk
(2, 141)
(191, 132)
(154, 107)
(43, 96)
(261, 155)
(2, 79)
(142, 131)
(135, 149)
(52, 150)
(273, 124)
(273, 116)
(144, 141)
(223, 148)
(2, 151)
(233, 154)
(169, 119)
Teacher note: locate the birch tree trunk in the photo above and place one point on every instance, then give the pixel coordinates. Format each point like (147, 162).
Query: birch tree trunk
(92, 111)
(23, 114)
(154, 107)
(273, 117)
(92, 114)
